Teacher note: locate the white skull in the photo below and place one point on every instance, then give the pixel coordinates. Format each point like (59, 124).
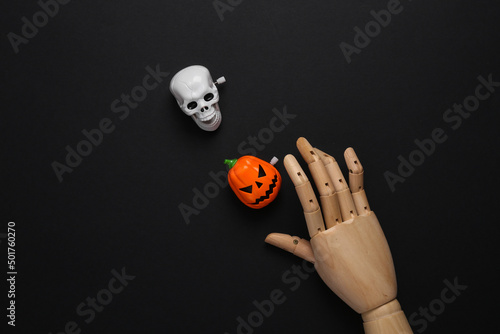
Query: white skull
(197, 95)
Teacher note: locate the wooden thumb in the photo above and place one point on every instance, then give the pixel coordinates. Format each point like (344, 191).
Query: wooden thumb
(295, 245)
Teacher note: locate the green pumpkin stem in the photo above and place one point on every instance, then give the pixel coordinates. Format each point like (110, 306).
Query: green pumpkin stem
(230, 162)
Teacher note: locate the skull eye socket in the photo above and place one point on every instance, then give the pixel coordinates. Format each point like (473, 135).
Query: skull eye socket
(192, 105)
(208, 97)
(247, 189)
(262, 173)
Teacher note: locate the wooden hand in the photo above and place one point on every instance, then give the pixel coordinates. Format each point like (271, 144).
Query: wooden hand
(348, 246)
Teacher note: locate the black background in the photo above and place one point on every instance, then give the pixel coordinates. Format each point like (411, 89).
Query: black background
(120, 207)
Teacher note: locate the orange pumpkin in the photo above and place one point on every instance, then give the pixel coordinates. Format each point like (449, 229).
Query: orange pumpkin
(255, 181)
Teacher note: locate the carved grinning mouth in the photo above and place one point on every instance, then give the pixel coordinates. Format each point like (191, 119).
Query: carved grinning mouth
(268, 192)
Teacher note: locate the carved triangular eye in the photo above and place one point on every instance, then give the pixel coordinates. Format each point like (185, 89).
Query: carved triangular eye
(247, 189)
(262, 173)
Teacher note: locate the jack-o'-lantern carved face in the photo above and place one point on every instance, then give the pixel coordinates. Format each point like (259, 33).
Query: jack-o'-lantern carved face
(254, 181)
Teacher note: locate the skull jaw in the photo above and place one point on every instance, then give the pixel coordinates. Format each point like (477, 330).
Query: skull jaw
(212, 122)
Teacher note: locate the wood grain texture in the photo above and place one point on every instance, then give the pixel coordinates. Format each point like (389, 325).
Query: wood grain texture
(354, 260)
(386, 319)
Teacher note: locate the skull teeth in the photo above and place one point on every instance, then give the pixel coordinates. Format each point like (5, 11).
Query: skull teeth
(209, 116)
(210, 119)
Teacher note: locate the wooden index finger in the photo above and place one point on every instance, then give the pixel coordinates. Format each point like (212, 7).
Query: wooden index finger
(312, 211)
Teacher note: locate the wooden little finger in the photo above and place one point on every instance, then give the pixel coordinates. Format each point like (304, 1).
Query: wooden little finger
(356, 183)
